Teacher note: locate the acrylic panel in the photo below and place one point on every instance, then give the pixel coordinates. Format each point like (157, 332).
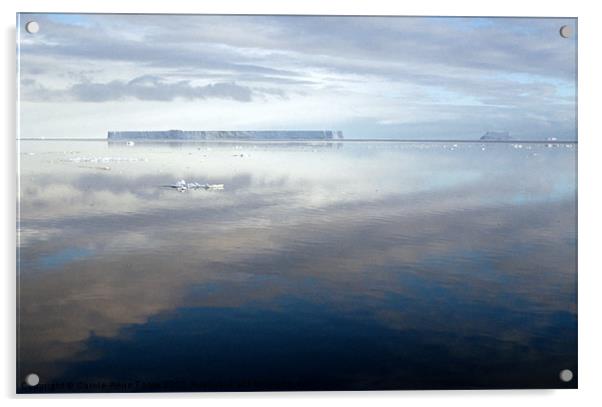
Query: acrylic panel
(281, 203)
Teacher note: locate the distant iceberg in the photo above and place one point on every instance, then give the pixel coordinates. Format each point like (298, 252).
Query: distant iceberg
(496, 136)
(225, 135)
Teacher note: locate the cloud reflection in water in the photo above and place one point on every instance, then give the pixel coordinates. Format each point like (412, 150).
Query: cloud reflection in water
(372, 265)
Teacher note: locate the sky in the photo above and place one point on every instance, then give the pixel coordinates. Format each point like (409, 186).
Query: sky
(82, 75)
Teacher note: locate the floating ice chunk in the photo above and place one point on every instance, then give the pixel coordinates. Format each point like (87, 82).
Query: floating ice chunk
(213, 186)
(183, 186)
(105, 159)
(105, 168)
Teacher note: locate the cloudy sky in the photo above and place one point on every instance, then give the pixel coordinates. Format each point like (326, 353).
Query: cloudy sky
(372, 77)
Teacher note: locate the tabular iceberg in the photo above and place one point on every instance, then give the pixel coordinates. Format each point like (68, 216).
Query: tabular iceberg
(226, 135)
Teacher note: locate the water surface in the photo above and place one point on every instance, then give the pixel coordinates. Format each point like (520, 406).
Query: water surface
(374, 265)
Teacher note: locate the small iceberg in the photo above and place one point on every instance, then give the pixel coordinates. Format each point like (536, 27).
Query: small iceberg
(184, 186)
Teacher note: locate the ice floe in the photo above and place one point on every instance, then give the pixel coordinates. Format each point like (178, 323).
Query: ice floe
(104, 168)
(183, 186)
(105, 159)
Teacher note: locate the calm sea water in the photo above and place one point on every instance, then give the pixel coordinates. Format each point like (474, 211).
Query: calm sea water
(319, 266)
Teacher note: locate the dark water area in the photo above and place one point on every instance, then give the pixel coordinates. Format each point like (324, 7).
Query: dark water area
(319, 266)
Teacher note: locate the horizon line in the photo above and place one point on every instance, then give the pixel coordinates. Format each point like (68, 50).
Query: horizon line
(513, 141)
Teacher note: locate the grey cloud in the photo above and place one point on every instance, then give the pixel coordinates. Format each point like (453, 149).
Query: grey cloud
(103, 42)
(154, 88)
(500, 46)
(144, 88)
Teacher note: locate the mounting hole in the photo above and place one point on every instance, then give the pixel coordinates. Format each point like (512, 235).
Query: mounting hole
(565, 31)
(32, 27)
(566, 375)
(32, 379)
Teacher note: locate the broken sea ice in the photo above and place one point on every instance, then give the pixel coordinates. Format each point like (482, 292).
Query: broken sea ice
(183, 186)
